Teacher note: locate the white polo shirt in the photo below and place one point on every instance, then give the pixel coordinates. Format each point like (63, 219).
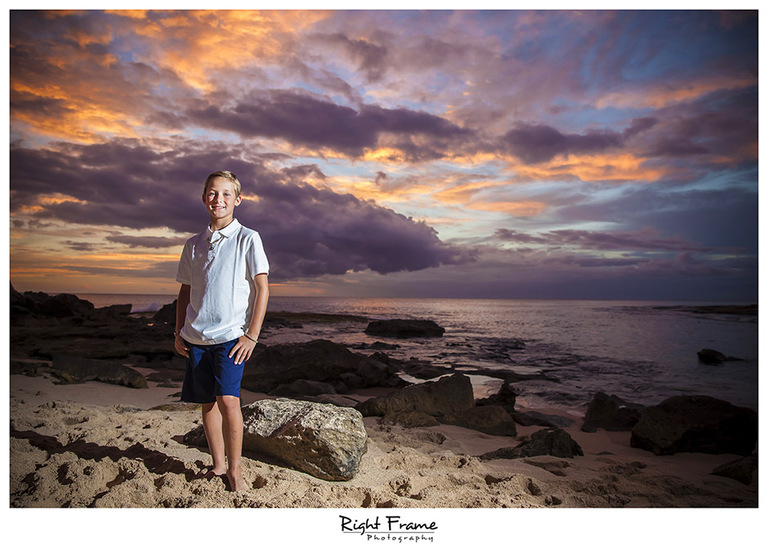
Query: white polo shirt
(219, 266)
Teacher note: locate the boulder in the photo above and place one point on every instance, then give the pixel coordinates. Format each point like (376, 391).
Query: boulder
(59, 306)
(742, 470)
(548, 441)
(404, 328)
(323, 440)
(66, 305)
(710, 356)
(409, 419)
(303, 387)
(535, 418)
(76, 369)
(611, 413)
(166, 314)
(506, 397)
(318, 360)
(696, 424)
(448, 395)
(112, 311)
(487, 419)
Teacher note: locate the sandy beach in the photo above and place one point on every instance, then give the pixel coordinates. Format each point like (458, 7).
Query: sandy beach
(80, 444)
(100, 445)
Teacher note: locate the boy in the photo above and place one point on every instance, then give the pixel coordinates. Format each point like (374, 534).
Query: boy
(224, 291)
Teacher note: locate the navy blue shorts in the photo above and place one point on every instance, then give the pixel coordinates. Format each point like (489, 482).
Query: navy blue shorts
(211, 373)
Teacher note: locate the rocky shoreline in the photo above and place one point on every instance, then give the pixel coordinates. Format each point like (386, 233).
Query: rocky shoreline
(62, 342)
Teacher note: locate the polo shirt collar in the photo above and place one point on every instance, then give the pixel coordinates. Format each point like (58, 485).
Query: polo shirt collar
(228, 231)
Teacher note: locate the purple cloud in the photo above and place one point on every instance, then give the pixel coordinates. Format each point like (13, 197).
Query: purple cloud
(308, 121)
(644, 239)
(538, 143)
(307, 231)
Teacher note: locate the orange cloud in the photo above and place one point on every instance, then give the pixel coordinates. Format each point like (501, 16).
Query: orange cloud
(470, 195)
(620, 167)
(672, 92)
(385, 155)
(515, 208)
(197, 44)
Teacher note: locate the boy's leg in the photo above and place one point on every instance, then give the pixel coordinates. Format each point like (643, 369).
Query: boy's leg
(212, 424)
(232, 420)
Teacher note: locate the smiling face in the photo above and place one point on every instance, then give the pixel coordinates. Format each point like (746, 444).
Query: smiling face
(220, 199)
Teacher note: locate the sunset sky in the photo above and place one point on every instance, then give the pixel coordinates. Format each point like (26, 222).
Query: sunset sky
(513, 154)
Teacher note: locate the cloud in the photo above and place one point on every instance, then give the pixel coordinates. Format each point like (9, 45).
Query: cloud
(81, 246)
(645, 239)
(307, 231)
(539, 143)
(370, 57)
(304, 120)
(146, 241)
(720, 127)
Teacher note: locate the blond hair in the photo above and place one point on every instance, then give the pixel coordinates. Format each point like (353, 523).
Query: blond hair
(228, 175)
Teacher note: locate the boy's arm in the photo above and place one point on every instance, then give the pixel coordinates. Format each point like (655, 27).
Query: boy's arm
(181, 314)
(244, 347)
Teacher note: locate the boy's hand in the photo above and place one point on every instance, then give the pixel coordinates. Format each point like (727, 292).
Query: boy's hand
(180, 346)
(242, 350)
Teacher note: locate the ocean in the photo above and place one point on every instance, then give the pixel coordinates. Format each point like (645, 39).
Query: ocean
(641, 351)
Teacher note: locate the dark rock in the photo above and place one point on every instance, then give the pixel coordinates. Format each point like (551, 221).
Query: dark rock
(417, 368)
(506, 397)
(487, 419)
(404, 328)
(317, 360)
(303, 387)
(611, 413)
(448, 395)
(710, 356)
(61, 305)
(66, 305)
(166, 314)
(548, 441)
(112, 311)
(85, 369)
(742, 470)
(534, 418)
(409, 419)
(323, 440)
(696, 424)
(376, 346)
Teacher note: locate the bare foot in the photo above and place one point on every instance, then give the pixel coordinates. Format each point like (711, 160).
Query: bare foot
(213, 473)
(236, 481)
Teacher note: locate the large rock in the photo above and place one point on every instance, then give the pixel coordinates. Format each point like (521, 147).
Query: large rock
(710, 356)
(506, 398)
(448, 395)
(303, 387)
(409, 419)
(538, 419)
(77, 369)
(548, 441)
(696, 424)
(40, 303)
(317, 360)
(488, 419)
(742, 470)
(323, 440)
(611, 413)
(404, 328)
(166, 314)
